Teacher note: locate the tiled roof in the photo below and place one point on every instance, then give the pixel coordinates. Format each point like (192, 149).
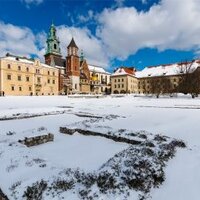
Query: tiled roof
(124, 71)
(72, 44)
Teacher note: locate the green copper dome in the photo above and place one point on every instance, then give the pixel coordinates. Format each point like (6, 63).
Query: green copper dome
(53, 43)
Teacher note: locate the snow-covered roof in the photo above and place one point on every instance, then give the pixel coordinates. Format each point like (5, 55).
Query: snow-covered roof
(167, 70)
(97, 69)
(124, 71)
(19, 59)
(25, 60)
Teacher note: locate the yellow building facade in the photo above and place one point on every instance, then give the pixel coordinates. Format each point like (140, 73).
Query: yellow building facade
(124, 81)
(100, 80)
(21, 77)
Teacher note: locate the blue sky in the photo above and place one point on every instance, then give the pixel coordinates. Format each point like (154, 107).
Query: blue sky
(111, 33)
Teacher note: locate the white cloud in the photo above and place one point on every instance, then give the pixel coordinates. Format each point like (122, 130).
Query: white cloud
(19, 41)
(85, 18)
(167, 25)
(120, 32)
(119, 3)
(91, 46)
(23, 42)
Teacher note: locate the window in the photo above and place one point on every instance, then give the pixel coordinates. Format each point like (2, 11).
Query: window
(19, 68)
(115, 80)
(118, 85)
(20, 88)
(55, 46)
(12, 88)
(53, 81)
(48, 80)
(122, 85)
(123, 80)
(8, 77)
(27, 69)
(53, 73)
(48, 72)
(30, 88)
(27, 79)
(38, 79)
(19, 78)
(118, 80)
(115, 86)
(9, 67)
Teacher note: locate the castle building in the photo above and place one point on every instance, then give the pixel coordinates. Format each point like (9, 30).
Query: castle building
(75, 74)
(22, 76)
(70, 75)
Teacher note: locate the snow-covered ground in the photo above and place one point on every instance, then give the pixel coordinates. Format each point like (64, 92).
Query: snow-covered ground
(175, 117)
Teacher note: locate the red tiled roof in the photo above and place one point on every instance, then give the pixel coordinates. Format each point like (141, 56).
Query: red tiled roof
(129, 70)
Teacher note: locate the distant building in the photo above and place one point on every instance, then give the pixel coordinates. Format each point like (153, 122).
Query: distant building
(123, 81)
(99, 80)
(22, 76)
(183, 77)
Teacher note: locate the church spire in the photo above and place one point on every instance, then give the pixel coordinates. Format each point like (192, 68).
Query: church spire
(82, 56)
(53, 43)
(72, 48)
(72, 44)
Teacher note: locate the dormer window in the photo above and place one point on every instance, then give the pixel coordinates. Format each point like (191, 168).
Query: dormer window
(149, 74)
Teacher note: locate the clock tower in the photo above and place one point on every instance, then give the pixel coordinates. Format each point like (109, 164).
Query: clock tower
(53, 47)
(73, 66)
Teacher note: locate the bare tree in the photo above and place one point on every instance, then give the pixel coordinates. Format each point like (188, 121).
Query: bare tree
(190, 79)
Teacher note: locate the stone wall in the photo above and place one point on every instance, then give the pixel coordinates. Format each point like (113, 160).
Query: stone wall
(2, 196)
(37, 140)
(115, 138)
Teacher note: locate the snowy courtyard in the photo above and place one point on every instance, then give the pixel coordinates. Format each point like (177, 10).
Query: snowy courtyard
(20, 166)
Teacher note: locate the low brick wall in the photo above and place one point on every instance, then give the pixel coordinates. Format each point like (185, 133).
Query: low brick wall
(69, 131)
(37, 140)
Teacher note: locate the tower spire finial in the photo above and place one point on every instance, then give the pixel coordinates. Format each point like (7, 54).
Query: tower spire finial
(82, 56)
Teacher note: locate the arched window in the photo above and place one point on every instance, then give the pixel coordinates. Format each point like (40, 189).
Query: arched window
(55, 46)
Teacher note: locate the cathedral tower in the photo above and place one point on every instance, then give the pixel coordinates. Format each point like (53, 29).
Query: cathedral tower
(73, 65)
(53, 47)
